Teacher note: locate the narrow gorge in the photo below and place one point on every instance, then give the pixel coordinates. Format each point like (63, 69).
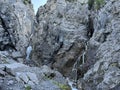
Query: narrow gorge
(67, 45)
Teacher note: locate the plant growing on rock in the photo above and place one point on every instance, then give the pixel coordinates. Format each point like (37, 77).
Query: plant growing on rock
(90, 4)
(95, 4)
(28, 88)
(26, 2)
(99, 4)
(62, 86)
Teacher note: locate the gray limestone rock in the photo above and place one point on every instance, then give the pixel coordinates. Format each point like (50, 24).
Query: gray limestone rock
(16, 25)
(16, 55)
(37, 78)
(61, 34)
(15, 67)
(67, 37)
(104, 74)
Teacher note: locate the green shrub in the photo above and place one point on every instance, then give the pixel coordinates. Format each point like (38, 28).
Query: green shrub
(26, 2)
(62, 86)
(90, 4)
(28, 88)
(99, 4)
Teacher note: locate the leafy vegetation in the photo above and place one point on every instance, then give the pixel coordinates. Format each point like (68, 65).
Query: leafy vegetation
(90, 4)
(28, 88)
(97, 4)
(71, 0)
(62, 86)
(26, 2)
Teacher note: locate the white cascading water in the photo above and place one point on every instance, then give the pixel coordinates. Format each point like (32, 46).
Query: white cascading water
(71, 84)
(84, 53)
(75, 67)
(28, 52)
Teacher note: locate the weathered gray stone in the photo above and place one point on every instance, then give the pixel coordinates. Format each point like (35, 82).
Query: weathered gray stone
(61, 35)
(47, 85)
(30, 83)
(13, 68)
(20, 60)
(21, 76)
(63, 40)
(2, 73)
(32, 77)
(10, 82)
(2, 67)
(104, 74)
(16, 55)
(16, 24)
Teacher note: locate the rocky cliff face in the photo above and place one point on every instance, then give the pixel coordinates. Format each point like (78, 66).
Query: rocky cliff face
(80, 38)
(16, 24)
(62, 33)
(105, 72)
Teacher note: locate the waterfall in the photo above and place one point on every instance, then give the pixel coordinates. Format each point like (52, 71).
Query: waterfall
(71, 84)
(28, 52)
(78, 62)
(75, 68)
(83, 57)
(84, 53)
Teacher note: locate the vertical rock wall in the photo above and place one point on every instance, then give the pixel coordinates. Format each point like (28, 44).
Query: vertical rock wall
(105, 72)
(77, 38)
(61, 34)
(16, 24)
(65, 27)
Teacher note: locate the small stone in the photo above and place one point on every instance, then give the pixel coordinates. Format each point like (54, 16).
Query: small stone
(20, 60)
(10, 82)
(16, 55)
(30, 83)
(32, 77)
(2, 66)
(22, 76)
(2, 73)
(10, 88)
(12, 68)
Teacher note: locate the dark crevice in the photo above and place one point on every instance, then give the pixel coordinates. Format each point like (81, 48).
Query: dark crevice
(70, 47)
(45, 28)
(90, 24)
(3, 24)
(90, 4)
(55, 52)
(90, 27)
(9, 45)
(105, 36)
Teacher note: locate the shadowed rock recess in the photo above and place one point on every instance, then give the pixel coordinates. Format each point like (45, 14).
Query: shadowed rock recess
(75, 45)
